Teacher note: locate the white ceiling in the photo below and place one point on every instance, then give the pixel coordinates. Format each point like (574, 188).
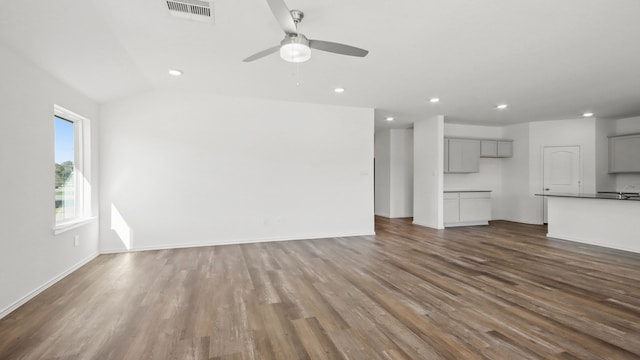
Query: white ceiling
(547, 59)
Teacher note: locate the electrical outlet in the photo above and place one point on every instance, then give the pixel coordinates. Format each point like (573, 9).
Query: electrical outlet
(76, 240)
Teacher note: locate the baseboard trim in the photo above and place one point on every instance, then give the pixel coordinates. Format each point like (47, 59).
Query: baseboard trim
(466, 223)
(6, 311)
(232, 242)
(427, 225)
(521, 221)
(591, 243)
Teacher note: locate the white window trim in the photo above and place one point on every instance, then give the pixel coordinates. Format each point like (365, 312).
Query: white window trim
(69, 225)
(83, 171)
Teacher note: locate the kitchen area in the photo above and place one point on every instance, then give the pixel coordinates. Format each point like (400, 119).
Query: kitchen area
(469, 206)
(499, 172)
(605, 218)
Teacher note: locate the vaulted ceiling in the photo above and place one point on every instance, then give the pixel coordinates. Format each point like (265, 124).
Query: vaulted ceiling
(546, 59)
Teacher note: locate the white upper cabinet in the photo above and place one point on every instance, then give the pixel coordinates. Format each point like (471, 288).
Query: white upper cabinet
(464, 155)
(505, 148)
(488, 148)
(624, 154)
(496, 148)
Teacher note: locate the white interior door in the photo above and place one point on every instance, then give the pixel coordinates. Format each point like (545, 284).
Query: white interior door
(561, 171)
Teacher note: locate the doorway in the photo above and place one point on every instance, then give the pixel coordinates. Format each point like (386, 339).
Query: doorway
(561, 172)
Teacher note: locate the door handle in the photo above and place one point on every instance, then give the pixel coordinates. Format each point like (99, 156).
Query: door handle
(547, 189)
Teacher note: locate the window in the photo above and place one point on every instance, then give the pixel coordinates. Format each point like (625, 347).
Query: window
(72, 189)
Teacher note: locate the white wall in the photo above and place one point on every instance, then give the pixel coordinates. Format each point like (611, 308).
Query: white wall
(628, 126)
(185, 170)
(490, 175)
(428, 167)
(401, 173)
(518, 204)
(31, 257)
(628, 182)
(383, 173)
(394, 173)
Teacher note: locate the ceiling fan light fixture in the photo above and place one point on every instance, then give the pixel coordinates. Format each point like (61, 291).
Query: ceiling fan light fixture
(295, 49)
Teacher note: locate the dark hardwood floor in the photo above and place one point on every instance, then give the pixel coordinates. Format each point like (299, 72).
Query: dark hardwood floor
(503, 291)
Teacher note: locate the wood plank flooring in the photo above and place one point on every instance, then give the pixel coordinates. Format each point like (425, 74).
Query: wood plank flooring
(503, 291)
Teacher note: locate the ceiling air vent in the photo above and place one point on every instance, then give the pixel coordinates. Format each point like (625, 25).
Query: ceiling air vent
(191, 9)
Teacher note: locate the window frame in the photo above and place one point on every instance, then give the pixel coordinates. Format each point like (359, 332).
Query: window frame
(82, 171)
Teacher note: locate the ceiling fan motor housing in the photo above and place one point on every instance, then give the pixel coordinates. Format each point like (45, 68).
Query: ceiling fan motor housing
(295, 39)
(297, 16)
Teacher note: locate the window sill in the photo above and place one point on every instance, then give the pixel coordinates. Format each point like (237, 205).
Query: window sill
(60, 228)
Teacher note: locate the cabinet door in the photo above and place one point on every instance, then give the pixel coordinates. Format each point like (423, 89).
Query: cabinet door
(505, 148)
(624, 154)
(464, 155)
(451, 208)
(446, 155)
(475, 206)
(488, 148)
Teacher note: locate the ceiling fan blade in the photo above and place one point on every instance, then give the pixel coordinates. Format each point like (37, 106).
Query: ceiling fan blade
(283, 15)
(337, 48)
(262, 54)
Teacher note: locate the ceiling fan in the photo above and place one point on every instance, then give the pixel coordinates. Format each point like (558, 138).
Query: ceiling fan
(295, 47)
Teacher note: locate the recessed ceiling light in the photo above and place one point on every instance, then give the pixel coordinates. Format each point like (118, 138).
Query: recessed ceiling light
(502, 106)
(175, 72)
(434, 100)
(587, 114)
(389, 118)
(339, 90)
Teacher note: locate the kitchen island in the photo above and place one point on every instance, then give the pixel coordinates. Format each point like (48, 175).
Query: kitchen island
(609, 220)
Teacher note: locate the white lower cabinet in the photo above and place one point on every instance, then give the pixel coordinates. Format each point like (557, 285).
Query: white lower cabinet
(467, 208)
(451, 208)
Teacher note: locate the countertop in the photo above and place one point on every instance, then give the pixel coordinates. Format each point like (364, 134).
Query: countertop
(604, 196)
